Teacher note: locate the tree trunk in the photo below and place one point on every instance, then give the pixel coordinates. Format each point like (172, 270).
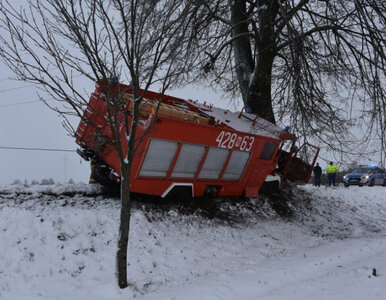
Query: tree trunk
(259, 97)
(124, 227)
(126, 163)
(244, 64)
(255, 76)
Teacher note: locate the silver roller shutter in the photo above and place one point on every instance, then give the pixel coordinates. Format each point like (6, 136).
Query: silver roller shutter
(158, 158)
(214, 163)
(188, 161)
(236, 165)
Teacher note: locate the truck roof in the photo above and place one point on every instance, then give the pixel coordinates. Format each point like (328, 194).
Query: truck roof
(193, 110)
(241, 121)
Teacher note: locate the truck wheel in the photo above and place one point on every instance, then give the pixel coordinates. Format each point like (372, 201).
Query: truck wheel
(101, 174)
(371, 182)
(346, 185)
(270, 188)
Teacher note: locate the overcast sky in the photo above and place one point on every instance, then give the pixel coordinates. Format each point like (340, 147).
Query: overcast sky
(26, 122)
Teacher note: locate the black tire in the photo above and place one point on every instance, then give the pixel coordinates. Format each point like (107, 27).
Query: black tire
(270, 187)
(346, 185)
(101, 174)
(371, 182)
(179, 194)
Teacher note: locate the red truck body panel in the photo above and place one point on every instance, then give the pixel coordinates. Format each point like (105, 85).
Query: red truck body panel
(190, 144)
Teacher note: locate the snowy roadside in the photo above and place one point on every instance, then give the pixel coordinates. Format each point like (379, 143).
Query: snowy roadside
(55, 246)
(350, 224)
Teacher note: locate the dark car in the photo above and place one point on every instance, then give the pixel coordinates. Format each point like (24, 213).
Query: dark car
(365, 175)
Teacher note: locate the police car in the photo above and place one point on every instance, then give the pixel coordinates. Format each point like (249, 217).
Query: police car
(365, 175)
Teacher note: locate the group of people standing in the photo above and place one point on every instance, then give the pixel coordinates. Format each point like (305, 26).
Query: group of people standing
(331, 171)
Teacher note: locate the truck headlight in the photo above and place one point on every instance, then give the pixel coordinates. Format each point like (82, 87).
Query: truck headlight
(344, 176)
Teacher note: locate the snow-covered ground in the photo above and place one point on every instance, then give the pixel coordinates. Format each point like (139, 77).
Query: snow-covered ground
(59, 242)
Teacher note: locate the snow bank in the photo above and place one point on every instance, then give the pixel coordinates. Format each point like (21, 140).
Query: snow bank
(59, 242)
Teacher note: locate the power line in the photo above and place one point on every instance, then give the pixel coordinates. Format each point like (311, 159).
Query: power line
(20, 103)
(17, 88)
(29, 102)
(4, 79)
(36, 149)
(29, 85)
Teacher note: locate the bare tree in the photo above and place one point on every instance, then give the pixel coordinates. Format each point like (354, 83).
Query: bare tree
(319, 65)
(54, 44)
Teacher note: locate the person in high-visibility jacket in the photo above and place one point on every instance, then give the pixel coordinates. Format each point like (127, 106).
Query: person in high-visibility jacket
(331, 171)
(92, 174)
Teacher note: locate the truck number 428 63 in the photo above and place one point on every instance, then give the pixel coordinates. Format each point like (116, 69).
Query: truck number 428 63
(232, 140)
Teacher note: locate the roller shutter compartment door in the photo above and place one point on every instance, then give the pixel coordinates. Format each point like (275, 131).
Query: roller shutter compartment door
(214, 163)
(188, 161)
(236, 165)
(158, 158)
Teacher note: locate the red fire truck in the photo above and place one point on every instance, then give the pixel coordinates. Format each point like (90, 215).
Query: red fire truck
(204, 149)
